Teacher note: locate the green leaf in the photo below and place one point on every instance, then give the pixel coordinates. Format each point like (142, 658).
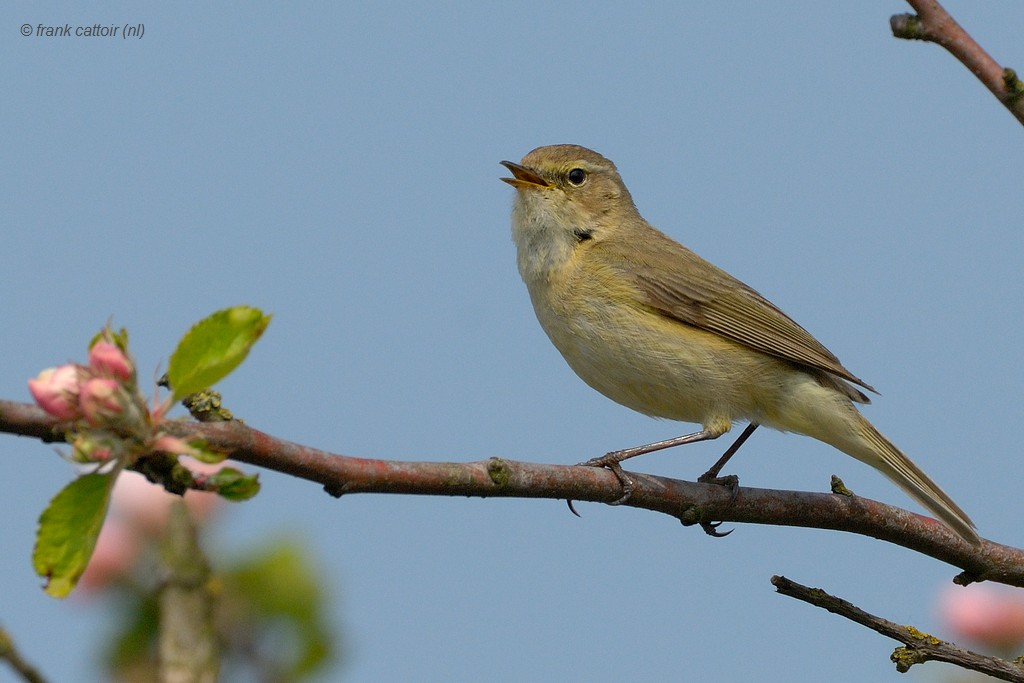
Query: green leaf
(233, 485)
(203, 452)
(213, 348)
(285, 595)
(68, 529)
(137, 624)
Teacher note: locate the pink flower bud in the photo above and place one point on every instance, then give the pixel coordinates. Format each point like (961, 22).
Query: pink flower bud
(109, 360)
(986, 614)
(56, 391)
(99, 398)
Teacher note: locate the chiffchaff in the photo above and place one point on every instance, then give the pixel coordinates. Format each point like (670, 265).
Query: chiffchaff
(655, 327)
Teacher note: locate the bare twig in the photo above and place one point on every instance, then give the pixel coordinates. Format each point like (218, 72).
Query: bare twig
(918, 646)
(10, 654)
(933, 23)
(691, 503)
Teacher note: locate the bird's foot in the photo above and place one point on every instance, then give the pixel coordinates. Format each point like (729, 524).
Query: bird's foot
(610, 462)
(729, 481)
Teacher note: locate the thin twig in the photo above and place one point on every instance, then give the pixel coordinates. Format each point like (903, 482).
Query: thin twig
(918, 646)
(10, 653)
(934, 24)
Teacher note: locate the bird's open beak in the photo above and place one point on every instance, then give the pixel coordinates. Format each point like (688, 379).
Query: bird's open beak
(524, 177)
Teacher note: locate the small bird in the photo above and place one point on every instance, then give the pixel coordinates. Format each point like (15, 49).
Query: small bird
(651, 325)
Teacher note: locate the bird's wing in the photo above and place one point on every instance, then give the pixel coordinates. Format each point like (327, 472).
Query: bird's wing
(689, 289)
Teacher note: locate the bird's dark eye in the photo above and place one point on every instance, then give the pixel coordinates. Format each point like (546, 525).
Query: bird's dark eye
(577, 176)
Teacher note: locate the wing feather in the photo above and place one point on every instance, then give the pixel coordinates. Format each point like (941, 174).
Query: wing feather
(695, 292)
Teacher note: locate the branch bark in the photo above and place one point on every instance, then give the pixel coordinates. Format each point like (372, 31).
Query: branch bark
(918, 647)
(933, 23)
(690, 502)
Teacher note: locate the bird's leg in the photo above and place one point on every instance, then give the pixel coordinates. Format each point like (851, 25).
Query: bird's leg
(615, 457)
(731, 481)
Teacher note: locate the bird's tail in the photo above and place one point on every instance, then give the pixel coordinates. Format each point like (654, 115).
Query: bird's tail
(880, 453)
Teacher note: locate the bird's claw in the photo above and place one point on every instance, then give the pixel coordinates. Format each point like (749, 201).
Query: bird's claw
(711, 529)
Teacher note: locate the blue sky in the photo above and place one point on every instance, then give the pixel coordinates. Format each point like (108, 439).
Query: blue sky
(337, 165)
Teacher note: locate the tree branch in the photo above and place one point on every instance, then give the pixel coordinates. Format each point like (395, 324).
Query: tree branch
(691, 503)
(918, 646)
(10, 654)
(933, 23)
(188, 647)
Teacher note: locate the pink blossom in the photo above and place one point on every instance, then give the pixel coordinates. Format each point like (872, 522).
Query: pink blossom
(140, 503)
(108, 360)
(100, 400)
(147, 506)
(986, 614)
(56, 391)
